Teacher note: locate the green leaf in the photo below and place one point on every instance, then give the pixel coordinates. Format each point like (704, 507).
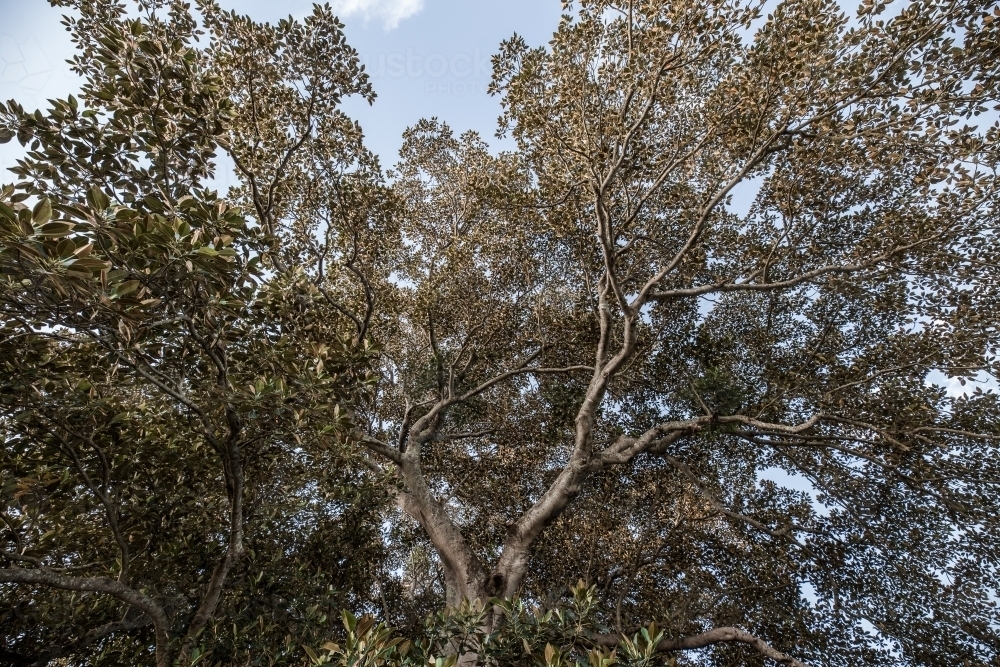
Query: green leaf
(126, 288)
(56, 229)
(8, 212)
(42, 212)
(97, 199)
(66, 248)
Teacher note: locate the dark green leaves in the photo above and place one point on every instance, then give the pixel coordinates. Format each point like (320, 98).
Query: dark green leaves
(125, 288)
(156, 380)
(42, 212)
(97, 199)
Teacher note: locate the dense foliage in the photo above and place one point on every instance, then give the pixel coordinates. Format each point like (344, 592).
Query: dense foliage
(174, 410)
(728, 244)
(600, 360)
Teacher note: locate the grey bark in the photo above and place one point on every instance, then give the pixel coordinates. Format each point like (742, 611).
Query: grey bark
(119, 591)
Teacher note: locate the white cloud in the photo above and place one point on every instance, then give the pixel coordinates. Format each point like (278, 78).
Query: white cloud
(390, 12)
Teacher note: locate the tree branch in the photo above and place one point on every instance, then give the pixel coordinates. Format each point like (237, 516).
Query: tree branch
(381, 448)
(729, 286)
(126, 594)
(783, 534)
(710, 638)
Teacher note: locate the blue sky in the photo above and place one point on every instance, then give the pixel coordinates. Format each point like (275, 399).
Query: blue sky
(426, 57)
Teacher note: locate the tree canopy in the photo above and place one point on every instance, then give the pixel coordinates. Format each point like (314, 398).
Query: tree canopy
(733, 243)
(173, 408)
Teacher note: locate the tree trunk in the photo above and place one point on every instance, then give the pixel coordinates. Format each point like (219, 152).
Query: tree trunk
(464, 574)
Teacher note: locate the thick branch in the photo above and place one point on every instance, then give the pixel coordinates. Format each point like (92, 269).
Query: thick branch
(555, 500)
(130, 596)
(382, 449)
(710, 638)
